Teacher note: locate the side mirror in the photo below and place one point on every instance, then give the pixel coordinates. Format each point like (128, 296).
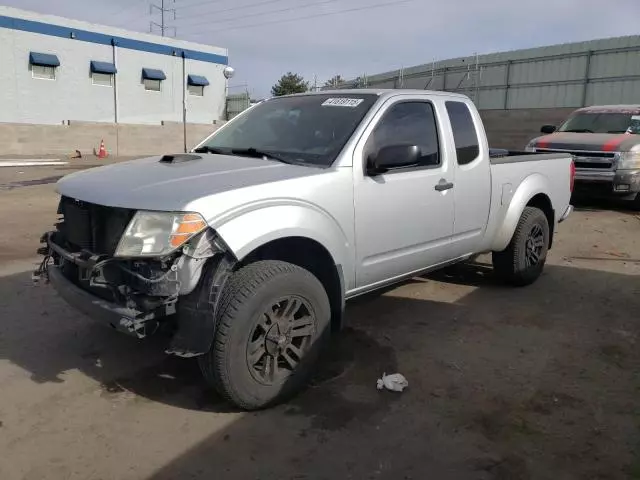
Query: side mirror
(391, 157)
(548, 129)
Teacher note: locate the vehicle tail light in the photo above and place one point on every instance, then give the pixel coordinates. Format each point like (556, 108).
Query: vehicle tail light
(572, 175)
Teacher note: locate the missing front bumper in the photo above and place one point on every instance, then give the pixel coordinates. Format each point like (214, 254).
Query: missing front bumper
(199, 276)
(126, 320)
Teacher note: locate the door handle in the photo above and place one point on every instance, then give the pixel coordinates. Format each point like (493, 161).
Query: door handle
(443, 185)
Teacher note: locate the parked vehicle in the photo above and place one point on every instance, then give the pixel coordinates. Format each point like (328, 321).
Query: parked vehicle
(605, 141)
(249, 246)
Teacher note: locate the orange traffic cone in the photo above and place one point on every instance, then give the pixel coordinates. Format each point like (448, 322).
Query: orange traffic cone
(102, 153)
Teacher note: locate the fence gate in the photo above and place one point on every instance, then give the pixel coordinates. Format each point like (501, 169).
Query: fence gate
(236, 104)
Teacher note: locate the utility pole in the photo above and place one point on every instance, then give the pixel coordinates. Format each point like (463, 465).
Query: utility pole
(162, 25)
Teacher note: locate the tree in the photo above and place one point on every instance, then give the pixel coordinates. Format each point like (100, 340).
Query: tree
(334, 81)
(288, 84)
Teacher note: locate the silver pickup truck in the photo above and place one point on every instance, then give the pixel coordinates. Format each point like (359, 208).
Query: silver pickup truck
(246, 248)
(605, 142)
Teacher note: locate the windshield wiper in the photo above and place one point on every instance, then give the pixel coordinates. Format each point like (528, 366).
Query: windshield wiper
(253, 152)
(579, 130)
(208, 149)
(245, 152)
(617, 131)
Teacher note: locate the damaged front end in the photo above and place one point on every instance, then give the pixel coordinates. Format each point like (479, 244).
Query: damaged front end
(129, 269)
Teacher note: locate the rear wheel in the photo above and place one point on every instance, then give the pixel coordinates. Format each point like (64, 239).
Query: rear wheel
(522, 262)
(636, 203)
(274, 318)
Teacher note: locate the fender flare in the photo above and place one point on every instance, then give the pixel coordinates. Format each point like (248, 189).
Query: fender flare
(531, 186)
(247, 229)
(242, 231)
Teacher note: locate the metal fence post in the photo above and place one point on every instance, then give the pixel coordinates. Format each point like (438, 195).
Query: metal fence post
(506, 85)
(587, 77)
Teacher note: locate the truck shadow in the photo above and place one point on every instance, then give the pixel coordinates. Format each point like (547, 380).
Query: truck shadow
(584, 203)
(504, 383)
(47, 338)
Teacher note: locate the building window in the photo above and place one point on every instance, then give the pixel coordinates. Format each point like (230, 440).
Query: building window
(152, 79)
(196, 84)
(196, 90)
(44, 72)
(102, 79)
(43, 65)
(103, 73)
(152, 85)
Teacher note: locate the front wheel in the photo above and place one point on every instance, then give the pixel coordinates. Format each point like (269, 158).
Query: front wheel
(522, 262)
(274, 318)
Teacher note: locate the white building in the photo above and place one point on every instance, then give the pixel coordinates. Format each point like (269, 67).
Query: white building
(54, 70)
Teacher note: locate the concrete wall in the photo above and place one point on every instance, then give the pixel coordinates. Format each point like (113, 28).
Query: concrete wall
(505, 129)
(513, 129)
(121, 139)
(72, 95)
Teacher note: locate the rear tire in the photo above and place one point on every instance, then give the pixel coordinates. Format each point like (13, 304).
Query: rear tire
(274, 319)
(522, 262)
(635, 205)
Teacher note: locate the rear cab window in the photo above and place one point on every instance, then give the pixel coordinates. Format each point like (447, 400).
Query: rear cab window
(465, 135)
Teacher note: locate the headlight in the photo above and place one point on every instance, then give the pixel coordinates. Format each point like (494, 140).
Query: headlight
(155, 234)
(530, 147)
(629, 161)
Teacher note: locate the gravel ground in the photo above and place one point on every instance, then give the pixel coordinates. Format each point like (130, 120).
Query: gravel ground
(534, 383)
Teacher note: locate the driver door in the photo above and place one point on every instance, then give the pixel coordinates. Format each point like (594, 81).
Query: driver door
(404, 218)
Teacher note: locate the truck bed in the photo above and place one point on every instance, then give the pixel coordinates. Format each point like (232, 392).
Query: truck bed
(499, 156)
(514, 178)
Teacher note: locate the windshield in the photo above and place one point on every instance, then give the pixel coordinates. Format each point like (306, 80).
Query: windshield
(603, 122)
(307, 129)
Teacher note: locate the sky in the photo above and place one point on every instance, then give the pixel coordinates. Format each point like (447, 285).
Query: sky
(268, 38)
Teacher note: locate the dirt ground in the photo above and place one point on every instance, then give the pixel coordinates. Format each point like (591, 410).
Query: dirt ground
(534, 383)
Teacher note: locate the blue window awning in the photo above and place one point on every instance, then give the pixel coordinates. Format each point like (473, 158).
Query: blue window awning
(103, 67)
(153, 74)
(197, 80)
(44, 59)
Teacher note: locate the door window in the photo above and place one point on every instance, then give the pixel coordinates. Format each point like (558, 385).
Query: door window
(408, 123)
(464, 132)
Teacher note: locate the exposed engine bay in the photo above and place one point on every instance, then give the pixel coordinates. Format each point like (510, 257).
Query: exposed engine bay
(83, 249)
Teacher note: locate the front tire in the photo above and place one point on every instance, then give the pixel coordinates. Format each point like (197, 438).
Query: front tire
(274, 319)
(522, 262)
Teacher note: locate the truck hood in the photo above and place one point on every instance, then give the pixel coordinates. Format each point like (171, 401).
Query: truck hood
(595, 142)
(149, 184)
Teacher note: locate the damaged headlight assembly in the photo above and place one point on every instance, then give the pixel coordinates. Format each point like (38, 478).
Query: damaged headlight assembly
(157, 234)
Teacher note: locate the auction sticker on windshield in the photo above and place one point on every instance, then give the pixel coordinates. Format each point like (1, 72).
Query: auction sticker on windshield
(342, 102)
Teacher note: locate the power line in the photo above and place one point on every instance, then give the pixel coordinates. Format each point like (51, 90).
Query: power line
(126, 8)
(225, 20)
(209, 2)
(317, 15)
(233, 9)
